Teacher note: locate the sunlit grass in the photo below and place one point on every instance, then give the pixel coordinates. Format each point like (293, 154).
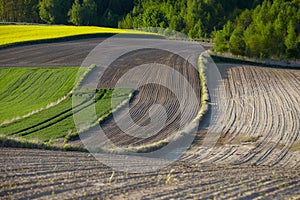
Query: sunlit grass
(23, 90)
(58, 122)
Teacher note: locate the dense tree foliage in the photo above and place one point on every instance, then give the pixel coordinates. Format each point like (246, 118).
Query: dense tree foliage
(83, 14)
(256, 28)
(270, 30)
(78, 12)
(54, 11)
(19, 10)
(194, 17)
(197, 18)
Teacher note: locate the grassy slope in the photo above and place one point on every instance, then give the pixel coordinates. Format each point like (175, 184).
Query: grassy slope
(23, 90)
(57, 121)
(13, 34)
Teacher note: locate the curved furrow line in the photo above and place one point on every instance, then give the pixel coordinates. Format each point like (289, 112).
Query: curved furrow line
(231, 116)
(258, 112)
(285, 129)
(252, 102)
(286, 192)
(269, 144)
(151, 94)
(270, 136)
(263, 193)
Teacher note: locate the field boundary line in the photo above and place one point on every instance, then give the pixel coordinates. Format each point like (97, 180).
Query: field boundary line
(75, 37)
(220, 58)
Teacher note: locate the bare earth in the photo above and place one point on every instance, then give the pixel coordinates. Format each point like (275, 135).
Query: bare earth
(262, 118)
(69, 53)
(253, 159)
(29, 174)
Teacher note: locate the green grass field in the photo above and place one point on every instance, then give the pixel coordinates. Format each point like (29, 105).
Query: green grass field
(23, 90)
(13, 34)
(26, 89)
(57, 121)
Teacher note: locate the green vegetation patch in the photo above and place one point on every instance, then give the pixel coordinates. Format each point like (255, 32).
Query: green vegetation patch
(24, 90)
(57, 121)
(271, 30)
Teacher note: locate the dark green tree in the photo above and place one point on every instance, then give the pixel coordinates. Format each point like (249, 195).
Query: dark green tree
(196, 31)
(76, 13)
(270, 30)
(291, 43)
(31, 11)
(55, 11)
(89, 12)
(237, 44)
(127, 22)
(83, 14)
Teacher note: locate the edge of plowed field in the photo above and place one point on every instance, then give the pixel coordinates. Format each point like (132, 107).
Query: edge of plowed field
(75, 37)
(203, 109)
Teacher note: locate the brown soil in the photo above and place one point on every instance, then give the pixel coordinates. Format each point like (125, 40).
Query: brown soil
(262, 118)
(29, 174)
(69, 53)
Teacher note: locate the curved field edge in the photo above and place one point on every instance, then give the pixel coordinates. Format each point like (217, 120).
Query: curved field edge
(33, 124)
(17, 142)
(202, 61)
(54, 128)
(14, 35)
(21, 86)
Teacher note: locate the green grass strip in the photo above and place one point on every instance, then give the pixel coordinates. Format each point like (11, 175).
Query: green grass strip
(26, 90)
(57, 121)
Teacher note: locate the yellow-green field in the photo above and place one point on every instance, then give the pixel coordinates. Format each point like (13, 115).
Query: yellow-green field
(12, 34)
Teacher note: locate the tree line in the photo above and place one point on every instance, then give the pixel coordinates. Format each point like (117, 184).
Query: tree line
(270, 30)
(255, 28)
(77, 12)
(196, 18)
